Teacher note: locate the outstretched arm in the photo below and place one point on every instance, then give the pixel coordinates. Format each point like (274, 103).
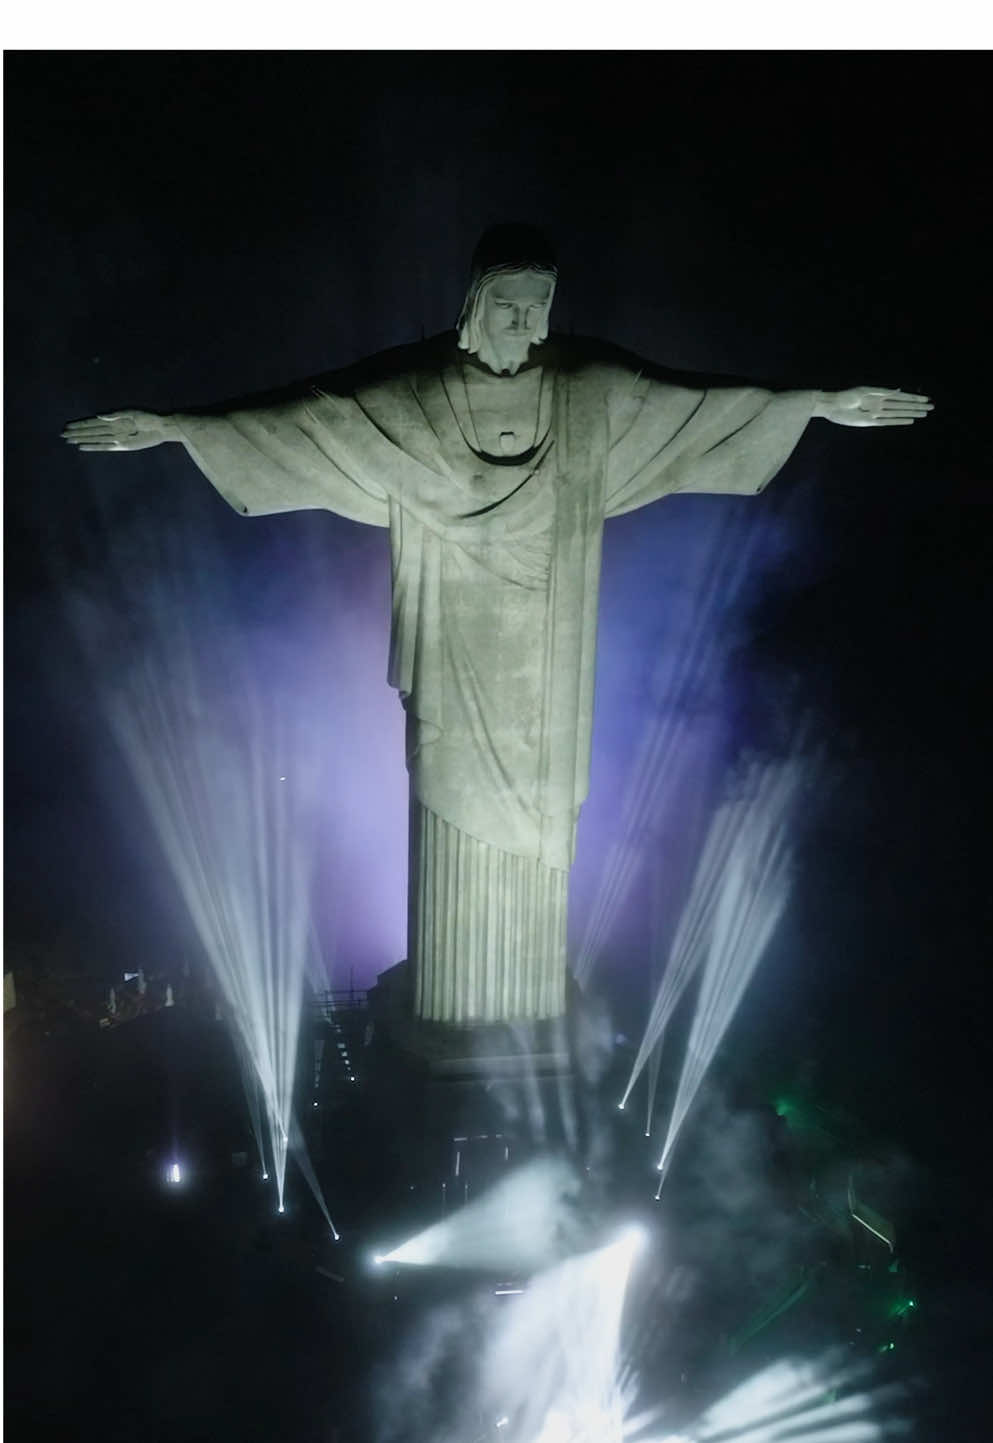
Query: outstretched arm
(311, 452)
(871, 406)
(731, 439)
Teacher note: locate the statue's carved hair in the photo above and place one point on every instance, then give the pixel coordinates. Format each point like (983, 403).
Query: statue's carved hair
(502, 250)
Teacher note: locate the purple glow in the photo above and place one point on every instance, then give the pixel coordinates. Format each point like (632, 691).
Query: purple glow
(669, 631)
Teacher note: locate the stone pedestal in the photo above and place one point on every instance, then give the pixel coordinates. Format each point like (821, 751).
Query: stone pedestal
(440, 1049)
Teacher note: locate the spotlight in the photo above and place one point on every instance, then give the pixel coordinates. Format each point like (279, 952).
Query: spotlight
(633, 1238)
(281, 1208)
(265, 1177)
(174, 1175)
(620, 1107)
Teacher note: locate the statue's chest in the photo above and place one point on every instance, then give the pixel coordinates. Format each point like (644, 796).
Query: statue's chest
(506, 415)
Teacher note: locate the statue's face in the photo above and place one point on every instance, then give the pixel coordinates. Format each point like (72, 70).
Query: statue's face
(512, 317)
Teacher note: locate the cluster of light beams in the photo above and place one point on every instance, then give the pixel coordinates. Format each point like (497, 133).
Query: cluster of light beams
(828, 1401)
(693, 932)
(553, 1364)
(228, 784)
(243, 869)
(752, 894)
(724, 565)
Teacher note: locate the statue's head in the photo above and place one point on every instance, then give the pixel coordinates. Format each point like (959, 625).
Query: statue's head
(510, 295)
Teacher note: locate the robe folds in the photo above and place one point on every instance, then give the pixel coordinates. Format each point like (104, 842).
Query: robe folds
(495, 576)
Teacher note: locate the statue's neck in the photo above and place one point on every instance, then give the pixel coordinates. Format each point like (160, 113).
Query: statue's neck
(507, 415)
(474, 362)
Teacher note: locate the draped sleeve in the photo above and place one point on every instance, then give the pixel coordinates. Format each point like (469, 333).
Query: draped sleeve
(318, 451)
(666, 438)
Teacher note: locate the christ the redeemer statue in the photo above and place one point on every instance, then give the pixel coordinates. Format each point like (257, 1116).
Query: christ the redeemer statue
(494, 455)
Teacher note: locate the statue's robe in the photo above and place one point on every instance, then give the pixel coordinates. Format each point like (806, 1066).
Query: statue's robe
(496, 570)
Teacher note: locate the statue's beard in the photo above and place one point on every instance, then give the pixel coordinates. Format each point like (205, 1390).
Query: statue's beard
(507, 355)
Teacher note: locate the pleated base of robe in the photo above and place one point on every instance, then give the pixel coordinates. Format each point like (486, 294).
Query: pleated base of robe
(487, 929)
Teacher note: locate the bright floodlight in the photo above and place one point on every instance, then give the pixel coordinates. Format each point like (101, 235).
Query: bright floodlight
(281, 1208)
(175, 1174)
(632, 1238)
(512, 1226)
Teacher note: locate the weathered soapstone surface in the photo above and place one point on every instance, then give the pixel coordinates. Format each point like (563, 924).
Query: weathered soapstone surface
(493, 455)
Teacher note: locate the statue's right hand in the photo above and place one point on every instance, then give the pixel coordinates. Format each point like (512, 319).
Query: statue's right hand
(120, 431)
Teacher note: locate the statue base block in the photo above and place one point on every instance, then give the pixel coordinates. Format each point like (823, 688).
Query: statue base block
(484, 1049)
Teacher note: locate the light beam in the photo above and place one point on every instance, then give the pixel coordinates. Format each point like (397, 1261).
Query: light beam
(750, 898)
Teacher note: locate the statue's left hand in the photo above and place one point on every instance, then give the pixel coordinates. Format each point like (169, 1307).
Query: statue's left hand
(872, 406)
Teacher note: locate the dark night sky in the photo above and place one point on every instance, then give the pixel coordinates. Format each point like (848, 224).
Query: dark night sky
(185, 227)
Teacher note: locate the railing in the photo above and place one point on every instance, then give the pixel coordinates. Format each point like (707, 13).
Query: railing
(326, 1004)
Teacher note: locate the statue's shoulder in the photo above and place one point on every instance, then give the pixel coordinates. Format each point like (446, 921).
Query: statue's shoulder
(397, 372)
(601, 365)
(585, 355)
(626, 377)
